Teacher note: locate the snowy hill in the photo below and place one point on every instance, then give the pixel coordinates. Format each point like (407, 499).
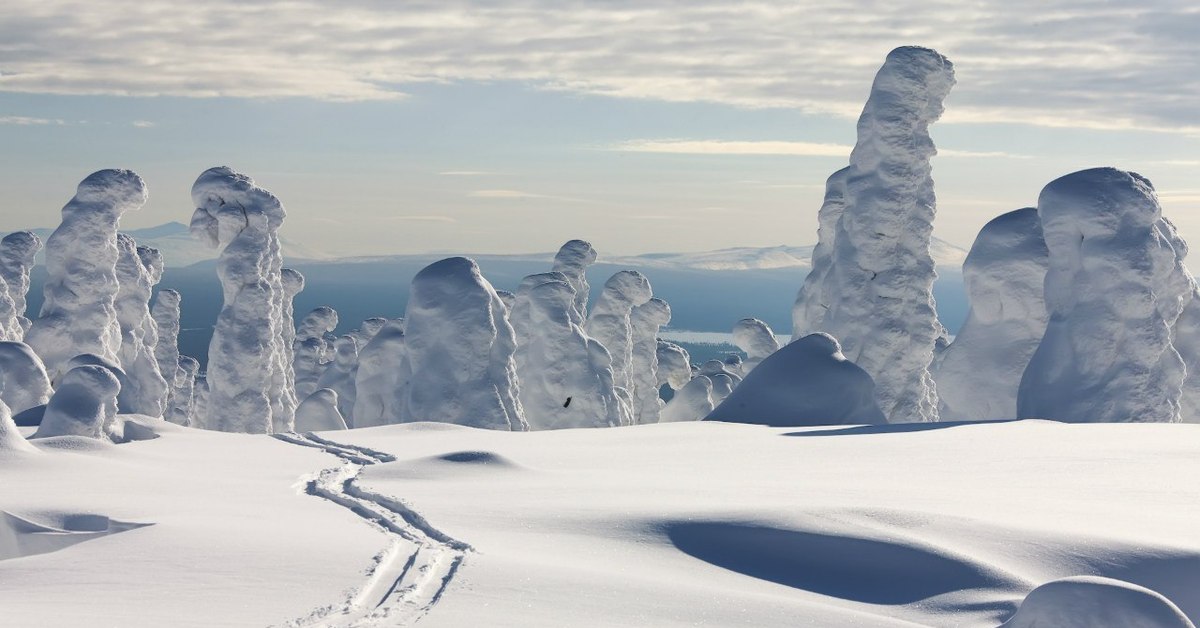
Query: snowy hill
(747, 258)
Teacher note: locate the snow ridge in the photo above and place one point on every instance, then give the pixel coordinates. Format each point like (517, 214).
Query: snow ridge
(410, 575)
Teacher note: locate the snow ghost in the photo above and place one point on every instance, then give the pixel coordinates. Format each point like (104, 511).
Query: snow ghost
(381, 380)
(1092, 602)
(518, 314)
(319, 412)
(311, 351)
(978, 374)
(78, 315)
(566, 377)
(166, 310)
(23, 380)
(573, 260)
(367, 330)
(693, 402)
(815, 298)
(879, 284)
(509, 299)
(756, 339)
(10, 436)
(139, 269)
(645, 321)
(181, 403)
(460, 348)
(17, 252)
(1185, 336)
(283, 377)
(340, 374)
(11, 326)
(1114, 288)
(84, 404)
(609, 321)
(674, 365)
(808, 382)
(245, 356)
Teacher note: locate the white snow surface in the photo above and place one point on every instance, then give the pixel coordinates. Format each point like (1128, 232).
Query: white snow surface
(17, 253)
(319, 412)
(880, 281)
(24, 383)
(1091, 602)
(78, 315)
(1114, 288)
(242, 221)
(978, 375)
(460, 347)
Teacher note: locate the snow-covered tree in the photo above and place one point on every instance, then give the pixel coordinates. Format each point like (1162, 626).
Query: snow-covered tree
(880, 280)
(340, 374)
(139, 269)
(84, 404)
(755, 338)
(693, 402)
(609, 321)
(10, 437)
(645, 320)
(165, 312)
(1005, 273)
(674, 365)
(24, 383)
(283, 376)
(311, 351)
(367, 330)
(816, 297)
(460, 348)
(78, 315)
(1114, 289)
(518, 314)
(573, 260)
(181, 403)
(17, 252)
(319, 412)
(381, 380)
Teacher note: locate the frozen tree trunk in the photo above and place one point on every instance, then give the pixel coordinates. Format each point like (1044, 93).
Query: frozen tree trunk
(880, 281)
(242, 221)
(283, 375)
(978, 374)
(1114, 289)
(24, 383)
(381, 381)
(139, 269)
(85, 404)
(563, 384)
(78, 315)
(310, 350)
(645, 321)
(340, 375)
(756, 339)
(17, 252)
(573, 260)
(183, 391)
(319, 412)
(815, 298)
(609, 322)
(674, 365)
(460, 348)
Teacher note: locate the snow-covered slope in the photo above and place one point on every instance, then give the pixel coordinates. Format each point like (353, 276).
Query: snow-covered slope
(692, 524)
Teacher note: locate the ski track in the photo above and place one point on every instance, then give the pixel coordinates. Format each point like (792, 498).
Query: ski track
(410, 575)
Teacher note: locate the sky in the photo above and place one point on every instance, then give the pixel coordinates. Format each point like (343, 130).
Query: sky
(643, 126)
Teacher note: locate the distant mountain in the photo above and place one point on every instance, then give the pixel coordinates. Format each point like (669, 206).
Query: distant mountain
(753, 258)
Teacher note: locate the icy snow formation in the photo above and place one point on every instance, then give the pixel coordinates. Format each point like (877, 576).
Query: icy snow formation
(17, 252)
(756, 339)
(339, 375)
(167, 306)
(609, 321)
(84, 404)
(23, 380)
(1095, 602)
(814, 300)
(1185, 336)
(566, 377)
(78, 315)
(381, 380)
(879, 283)
(367, 330)
(181, 403)
(674, 365)
(10, 436)
(1114, 288)
(139, 269)
(645, 321)
(11, 326)
(460, 347)
(572, 260)
(509, 299)
(807, 382)
(978, 374)
(319, 412)
(311, 351)
(518, 314)
(241, 220)
(283, 375)
(693, 402)
(199, 414)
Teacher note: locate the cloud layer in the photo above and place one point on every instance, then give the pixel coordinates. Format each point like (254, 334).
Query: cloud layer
(1070, 63)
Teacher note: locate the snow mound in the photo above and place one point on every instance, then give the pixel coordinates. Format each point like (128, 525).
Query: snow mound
(319, 412)
(1115, 287)
(693, 402)
(84, 404)
(1094, 602)
(808, 382)
(978, 375)
(23, 380)
(10, 437)
(460, 347)
(20, 537)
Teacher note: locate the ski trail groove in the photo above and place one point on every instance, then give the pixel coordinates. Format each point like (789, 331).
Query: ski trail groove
(410, 575)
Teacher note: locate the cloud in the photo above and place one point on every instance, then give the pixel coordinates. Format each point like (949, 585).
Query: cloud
(774, 147)
(142, 124)
(504, 194)
(28, 121)
(430, 218)
(464, 173)
(1070, 63)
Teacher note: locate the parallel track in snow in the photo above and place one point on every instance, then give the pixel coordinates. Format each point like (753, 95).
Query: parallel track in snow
(410, 575)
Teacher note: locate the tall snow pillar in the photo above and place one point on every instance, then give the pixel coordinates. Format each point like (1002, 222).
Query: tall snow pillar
(880, 282)
(812, 304)
(139, 269)
(609, 321)
(283, 374)
(78, 315)
(17, 251)
(1114, 288)
(645, 320)
(242, 221)
(572, 260)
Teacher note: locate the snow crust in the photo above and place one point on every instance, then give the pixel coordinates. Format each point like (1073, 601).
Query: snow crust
(24, 383)
(807, 382)
(319, 412)
(1114, 288)
(78, 314)
(1092, 602)
(460, 348)
(978, 374)
(880, 277)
